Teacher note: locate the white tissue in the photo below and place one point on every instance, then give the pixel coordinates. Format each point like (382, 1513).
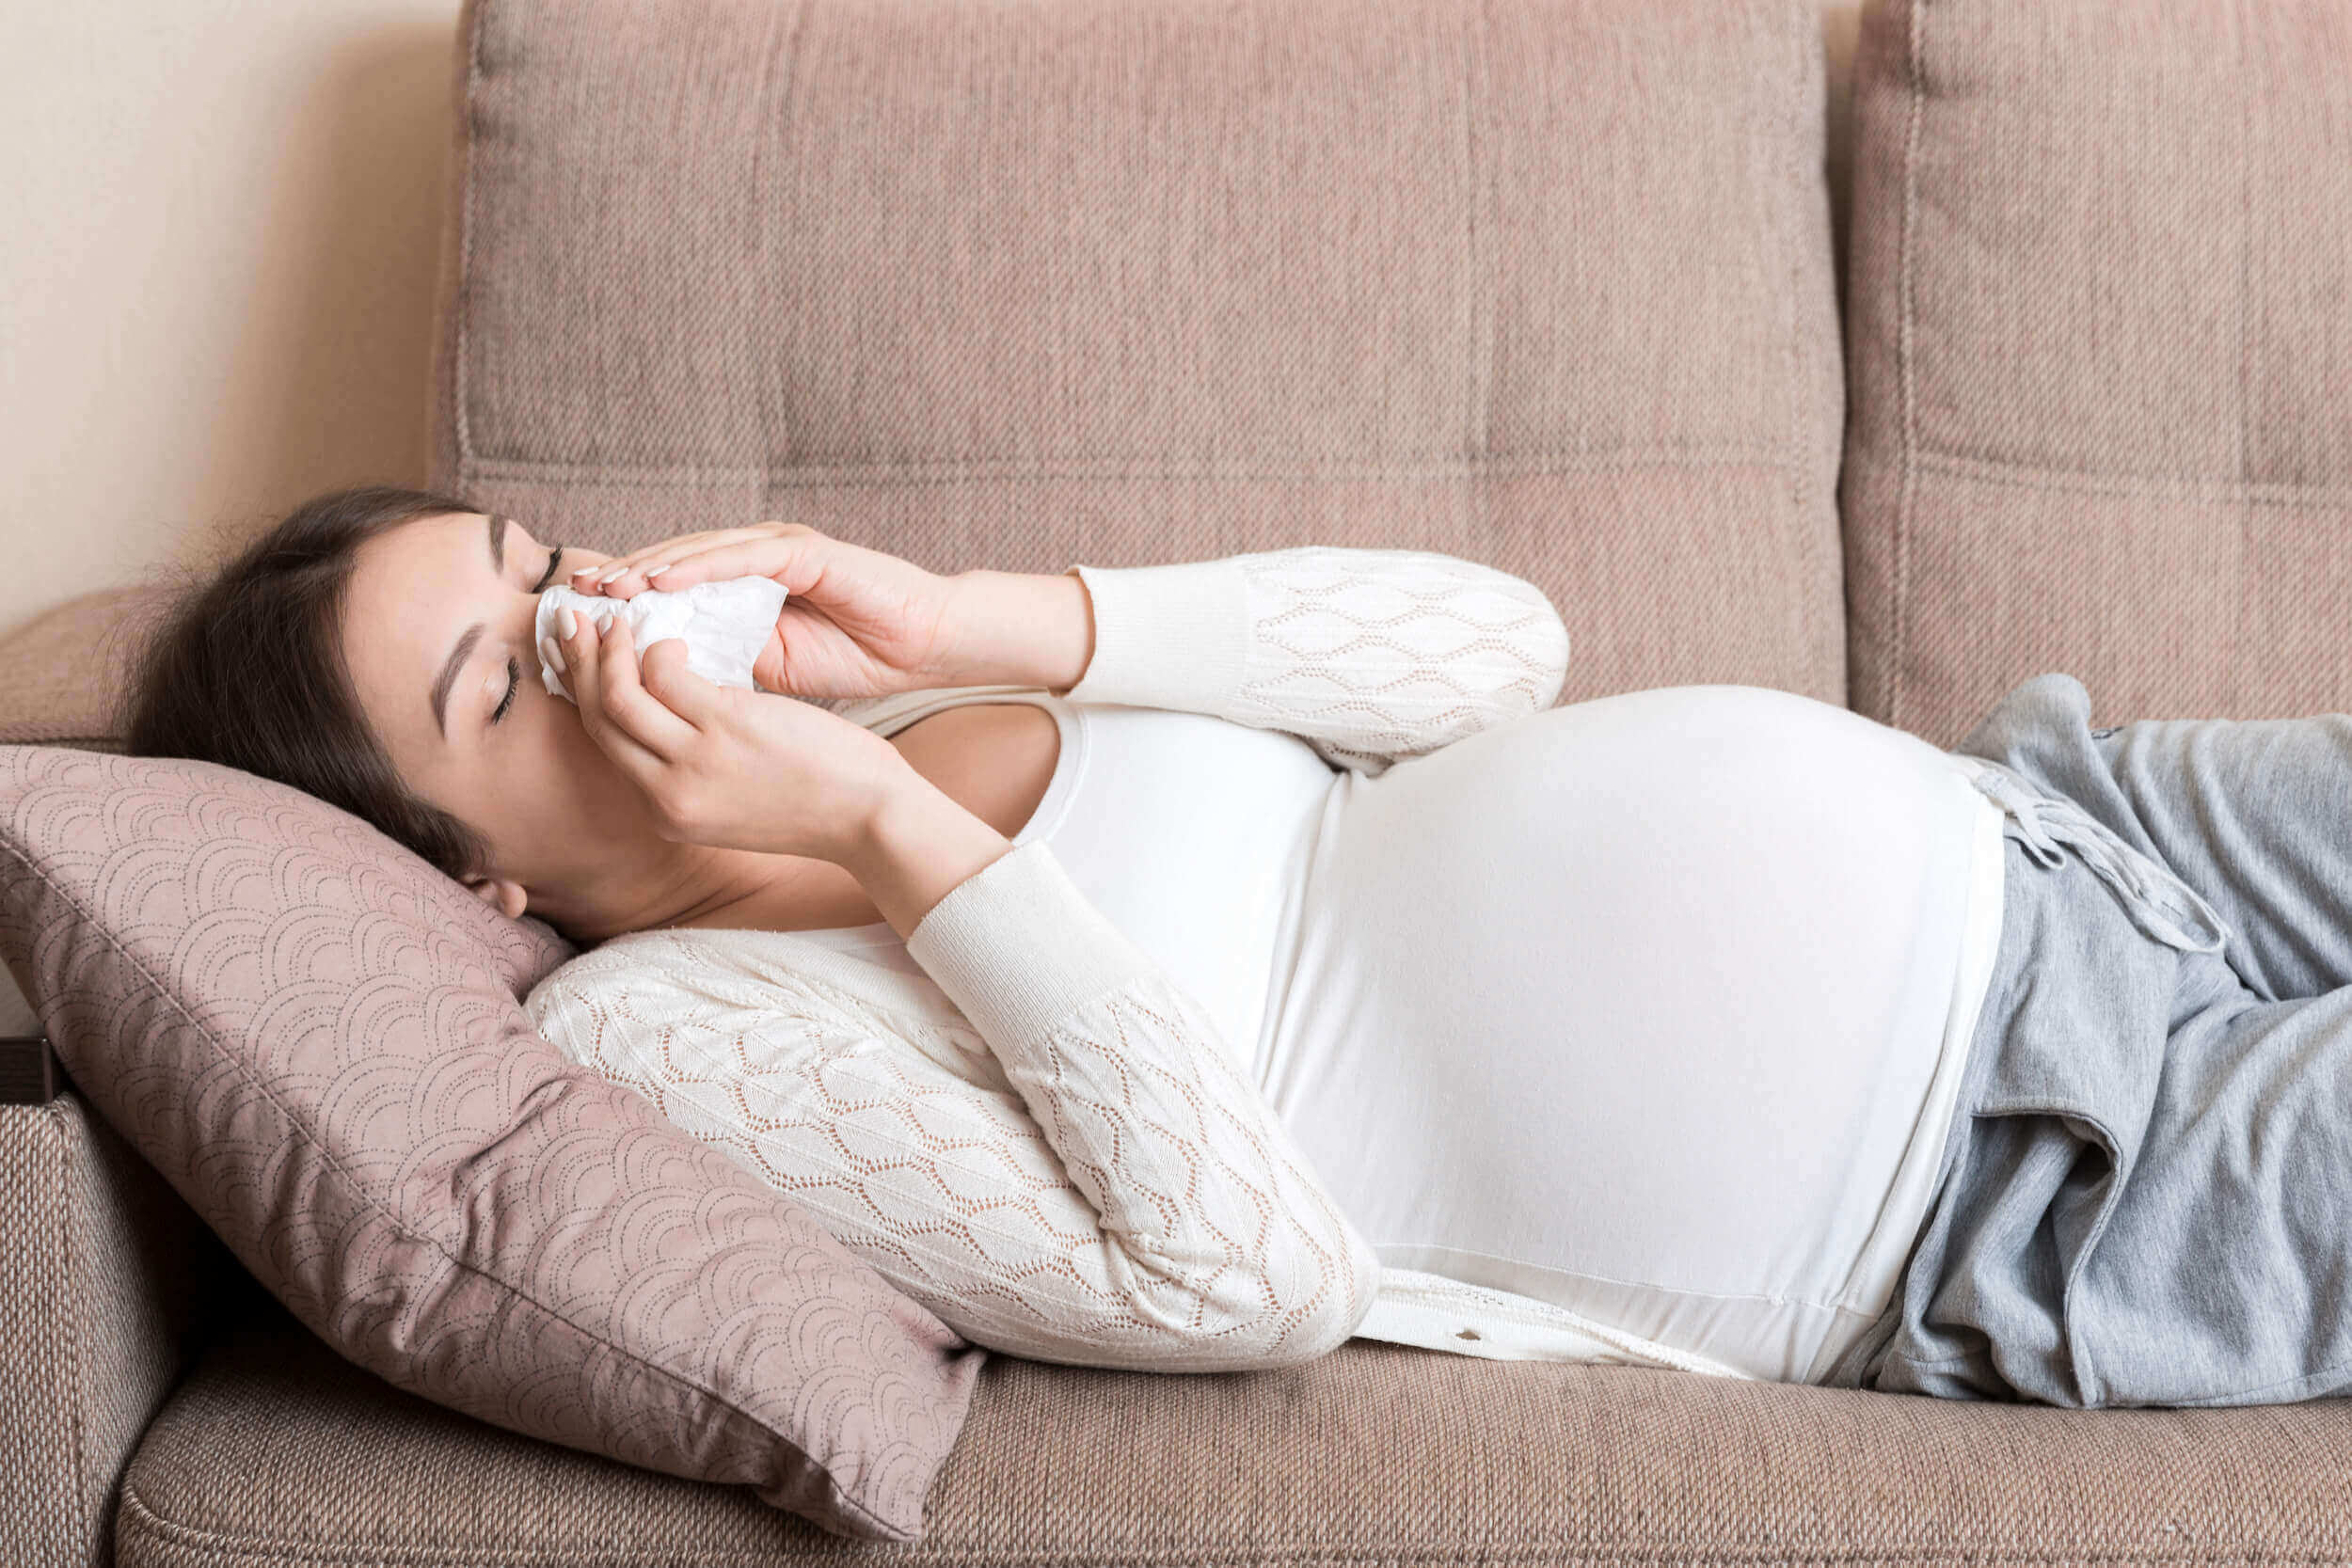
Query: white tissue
(725, 624)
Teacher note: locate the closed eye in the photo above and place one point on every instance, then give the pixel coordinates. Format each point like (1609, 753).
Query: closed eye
(514, 679)
(514, 671)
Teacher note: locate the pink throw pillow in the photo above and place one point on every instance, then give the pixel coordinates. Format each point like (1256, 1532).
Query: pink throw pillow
(318, 1039)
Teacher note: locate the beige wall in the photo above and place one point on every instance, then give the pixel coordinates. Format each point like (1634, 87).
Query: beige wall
(220, 270)
(219, 266)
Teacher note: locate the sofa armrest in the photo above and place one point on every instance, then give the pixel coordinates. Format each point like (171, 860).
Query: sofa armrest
(107, 1283)
(69, 668)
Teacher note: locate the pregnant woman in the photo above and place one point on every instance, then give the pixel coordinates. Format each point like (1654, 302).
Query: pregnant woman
(1190, 967)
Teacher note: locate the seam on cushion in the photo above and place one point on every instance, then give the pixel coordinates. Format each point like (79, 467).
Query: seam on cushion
(400, 1224)
(1792, 164)
(76, 1351)
(462, 301)
(1481, 354)
(1907, 290)
(2244, 343)
(1308, 1551)
(343, 1553)
(917, 471)
(2165, 486)
(776, 60)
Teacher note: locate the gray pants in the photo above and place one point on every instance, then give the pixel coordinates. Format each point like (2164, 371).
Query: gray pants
(2147, 1192)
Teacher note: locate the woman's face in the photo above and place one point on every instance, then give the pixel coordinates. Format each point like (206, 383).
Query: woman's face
(437, 635)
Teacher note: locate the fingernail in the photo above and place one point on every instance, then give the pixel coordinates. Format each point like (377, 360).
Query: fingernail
(609, 572)
(553, 655)
(657, 571)
(564, 619)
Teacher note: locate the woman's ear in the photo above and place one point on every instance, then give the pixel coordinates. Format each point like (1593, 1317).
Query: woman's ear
(506, 897)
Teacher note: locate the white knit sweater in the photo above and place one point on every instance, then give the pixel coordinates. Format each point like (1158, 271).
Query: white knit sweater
(1048, 1142)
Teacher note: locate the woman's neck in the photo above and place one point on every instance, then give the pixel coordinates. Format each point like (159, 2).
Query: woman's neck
(788, 893)
(994, 759)
(692, 886)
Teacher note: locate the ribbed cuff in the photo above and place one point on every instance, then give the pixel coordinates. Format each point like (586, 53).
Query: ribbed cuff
(1017, 946)
(1173, 636)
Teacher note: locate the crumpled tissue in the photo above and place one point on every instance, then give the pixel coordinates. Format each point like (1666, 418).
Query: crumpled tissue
(725, 625)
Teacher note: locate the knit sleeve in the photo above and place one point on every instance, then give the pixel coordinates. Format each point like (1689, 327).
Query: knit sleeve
(1369, 656)
(1076, 1169)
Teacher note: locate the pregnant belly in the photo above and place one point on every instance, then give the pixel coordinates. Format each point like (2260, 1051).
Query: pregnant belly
(1645, 990)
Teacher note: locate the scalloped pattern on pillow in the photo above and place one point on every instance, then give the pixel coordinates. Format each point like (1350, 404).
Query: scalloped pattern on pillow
(317, 1039)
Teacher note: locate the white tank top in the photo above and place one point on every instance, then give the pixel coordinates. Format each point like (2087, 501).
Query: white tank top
(1643, 1005)
(1190, 833)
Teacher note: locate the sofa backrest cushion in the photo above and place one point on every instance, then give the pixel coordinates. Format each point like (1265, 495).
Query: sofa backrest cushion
(2100, 352)
(1547, 286)
(317, 1039)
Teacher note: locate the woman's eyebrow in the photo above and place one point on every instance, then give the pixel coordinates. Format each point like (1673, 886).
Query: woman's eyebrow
(457, 661)
(442, 682)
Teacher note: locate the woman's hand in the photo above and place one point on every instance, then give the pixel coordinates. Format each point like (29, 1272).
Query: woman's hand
(859, 622)
(725, 767)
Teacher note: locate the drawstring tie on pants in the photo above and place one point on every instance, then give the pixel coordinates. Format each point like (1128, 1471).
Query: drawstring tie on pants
(2158, 902)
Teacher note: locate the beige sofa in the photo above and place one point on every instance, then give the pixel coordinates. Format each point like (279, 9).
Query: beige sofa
(2072, 421)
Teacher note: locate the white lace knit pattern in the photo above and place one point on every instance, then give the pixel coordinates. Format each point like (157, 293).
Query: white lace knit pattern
(1375, 655)
(1053, 1148)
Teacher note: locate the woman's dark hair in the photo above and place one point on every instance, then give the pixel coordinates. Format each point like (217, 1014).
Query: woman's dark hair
(247, 670)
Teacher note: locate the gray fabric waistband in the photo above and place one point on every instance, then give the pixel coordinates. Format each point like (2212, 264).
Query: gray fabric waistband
(2159, 903)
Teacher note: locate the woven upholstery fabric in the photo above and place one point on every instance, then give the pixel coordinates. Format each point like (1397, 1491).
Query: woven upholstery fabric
(318, 1041)
(104, 1278)
(69, 667)
(1541, 285)
(2101, 358)
(276, 1453)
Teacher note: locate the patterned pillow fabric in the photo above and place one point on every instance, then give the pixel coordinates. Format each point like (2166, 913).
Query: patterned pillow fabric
(318, 1039)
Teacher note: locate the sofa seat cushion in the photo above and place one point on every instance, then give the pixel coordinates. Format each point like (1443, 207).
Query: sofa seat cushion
(277, 1451)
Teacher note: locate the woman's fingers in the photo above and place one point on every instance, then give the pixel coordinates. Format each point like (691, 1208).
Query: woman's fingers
(700, 703)
(624, 575)
(613, 701)
(650, 555)
(783, 557)
(582, 677)
(648, 720)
